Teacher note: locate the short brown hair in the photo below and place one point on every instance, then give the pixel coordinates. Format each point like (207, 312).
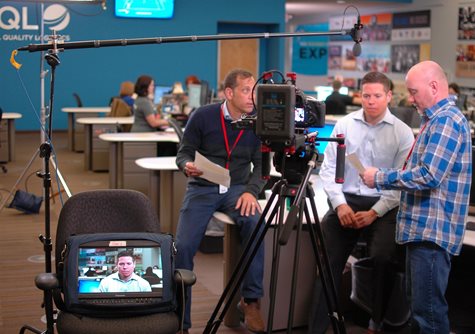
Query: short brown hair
(141, 86)
(377, 77)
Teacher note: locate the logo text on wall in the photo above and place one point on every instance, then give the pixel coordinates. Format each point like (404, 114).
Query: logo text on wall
(17, 23)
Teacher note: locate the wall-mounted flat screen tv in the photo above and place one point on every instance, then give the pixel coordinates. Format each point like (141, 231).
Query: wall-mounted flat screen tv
(152, 9)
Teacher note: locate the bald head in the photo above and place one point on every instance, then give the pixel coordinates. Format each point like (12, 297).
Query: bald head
(427, 84)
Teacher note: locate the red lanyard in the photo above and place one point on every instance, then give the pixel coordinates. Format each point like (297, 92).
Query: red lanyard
(413, 144)
(226, 142)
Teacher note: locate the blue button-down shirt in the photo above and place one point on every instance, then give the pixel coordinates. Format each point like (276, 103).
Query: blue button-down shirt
(436, 181)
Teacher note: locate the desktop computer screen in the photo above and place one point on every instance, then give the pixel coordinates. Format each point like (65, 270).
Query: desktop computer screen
(160, 90)
(324, 91)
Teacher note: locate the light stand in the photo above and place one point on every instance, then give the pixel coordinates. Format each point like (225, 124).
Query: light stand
(45, 153)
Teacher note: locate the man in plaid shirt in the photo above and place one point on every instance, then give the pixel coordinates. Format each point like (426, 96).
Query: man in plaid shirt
(435, 188)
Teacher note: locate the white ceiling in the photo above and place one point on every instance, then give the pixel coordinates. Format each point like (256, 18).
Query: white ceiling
(298, 8)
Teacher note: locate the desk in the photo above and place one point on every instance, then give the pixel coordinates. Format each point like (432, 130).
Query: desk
(124, 149)
(76, 132)
(96, 151)
(7, 136)
(167, 189)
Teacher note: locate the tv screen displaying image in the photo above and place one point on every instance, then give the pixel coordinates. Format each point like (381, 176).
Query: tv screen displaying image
(153, 9)
(102, 267)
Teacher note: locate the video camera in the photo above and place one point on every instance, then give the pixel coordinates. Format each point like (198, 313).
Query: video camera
(284, 115)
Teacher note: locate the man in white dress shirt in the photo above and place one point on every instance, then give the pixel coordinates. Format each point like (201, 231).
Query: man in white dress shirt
(377, 138)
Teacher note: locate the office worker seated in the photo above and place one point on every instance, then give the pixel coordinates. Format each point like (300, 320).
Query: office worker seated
(125, 279)
(336, 102)
(146, 117)
(209, 132)
(377, 138)
(460, 99)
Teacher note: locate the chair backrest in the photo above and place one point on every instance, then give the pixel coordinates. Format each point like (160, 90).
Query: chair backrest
(105, 211)
(78, 100)
(178, 130)
(119, 108)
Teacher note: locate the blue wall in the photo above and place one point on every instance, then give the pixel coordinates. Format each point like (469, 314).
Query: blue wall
(95, 74)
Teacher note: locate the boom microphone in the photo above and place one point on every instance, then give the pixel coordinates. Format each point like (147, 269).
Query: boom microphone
(356, 33)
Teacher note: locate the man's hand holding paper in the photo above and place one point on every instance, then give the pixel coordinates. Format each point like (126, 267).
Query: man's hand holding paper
(211, 171)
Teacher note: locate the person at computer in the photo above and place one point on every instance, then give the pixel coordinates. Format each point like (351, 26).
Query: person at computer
(336, 102)
(146, 116)
(376, 137)
(435, 185)
(460, 99)
(126, 93)
(210, 133)
(125, 279)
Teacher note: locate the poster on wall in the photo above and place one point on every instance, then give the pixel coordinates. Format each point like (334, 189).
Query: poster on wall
(411, 26)
(310, 53)
(348, 61)
(376, 27)
(466, 23)
(465, 61)
(334, 57)
(403, 57)
(375, 58)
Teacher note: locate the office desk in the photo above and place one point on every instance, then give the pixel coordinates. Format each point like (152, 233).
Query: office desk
(7, 136)
(76, 132)
(96, 151)
(124, 149)
(167, 189)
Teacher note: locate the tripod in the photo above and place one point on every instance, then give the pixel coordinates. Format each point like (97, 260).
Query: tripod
(294, 220)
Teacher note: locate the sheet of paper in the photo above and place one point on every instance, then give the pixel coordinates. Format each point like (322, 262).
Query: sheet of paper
(355, 161)
(211, 171)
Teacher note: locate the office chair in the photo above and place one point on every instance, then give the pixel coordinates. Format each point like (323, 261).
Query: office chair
(2, 166)
(178, 130)
(105, 211)
(408, 115)
(78, 100)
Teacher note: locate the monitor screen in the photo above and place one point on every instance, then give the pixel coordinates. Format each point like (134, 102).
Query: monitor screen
(119, 268)
(160, 90)
(194, 95)
(162, 9)
(324, 91)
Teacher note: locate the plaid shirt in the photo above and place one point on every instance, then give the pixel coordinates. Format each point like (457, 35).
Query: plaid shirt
(436, 181)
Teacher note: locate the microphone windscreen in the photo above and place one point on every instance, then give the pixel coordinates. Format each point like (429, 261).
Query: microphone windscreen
(356, 49)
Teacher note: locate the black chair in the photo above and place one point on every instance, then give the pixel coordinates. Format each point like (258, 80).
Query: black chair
(177, 127)
(105, 211)
(78, 100)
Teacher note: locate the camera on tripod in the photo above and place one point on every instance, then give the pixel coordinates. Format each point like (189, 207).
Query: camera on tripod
(284, 115)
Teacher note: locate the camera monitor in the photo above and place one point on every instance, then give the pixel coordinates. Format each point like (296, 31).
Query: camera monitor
(97, 260)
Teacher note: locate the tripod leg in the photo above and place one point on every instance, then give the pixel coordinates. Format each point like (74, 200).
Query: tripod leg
(334, 310)
(242, 266)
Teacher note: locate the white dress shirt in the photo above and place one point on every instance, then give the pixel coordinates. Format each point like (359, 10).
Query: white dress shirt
(383, 145)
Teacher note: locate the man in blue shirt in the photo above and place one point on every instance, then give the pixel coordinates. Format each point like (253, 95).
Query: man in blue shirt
(377, 138)
(435, 182)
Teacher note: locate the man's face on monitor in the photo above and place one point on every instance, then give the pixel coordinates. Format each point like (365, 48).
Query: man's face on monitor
(126, 267)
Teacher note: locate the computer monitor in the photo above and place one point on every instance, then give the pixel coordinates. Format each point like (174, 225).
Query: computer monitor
(198, 94)
(324, 91)
(160, 90)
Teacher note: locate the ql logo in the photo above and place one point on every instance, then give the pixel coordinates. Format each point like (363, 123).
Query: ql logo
(55, 16)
